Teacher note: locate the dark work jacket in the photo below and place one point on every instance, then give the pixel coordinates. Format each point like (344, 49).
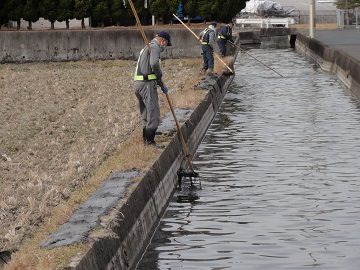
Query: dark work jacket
(226, 33)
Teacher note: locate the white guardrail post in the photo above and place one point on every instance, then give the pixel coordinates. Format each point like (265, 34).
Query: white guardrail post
(269, 22)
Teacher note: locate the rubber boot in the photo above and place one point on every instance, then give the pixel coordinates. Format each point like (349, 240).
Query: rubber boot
(210, 71)
(150, 138)
(144, 135)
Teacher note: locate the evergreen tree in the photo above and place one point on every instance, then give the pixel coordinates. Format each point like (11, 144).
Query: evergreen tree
(173, 5)
(158, 8)
(4, 12)
(139, 7)
(220, 10)
(100, 11)
(66, 11)
(48, 10)
(190, 9)
(31, 12)
(82, 10)
(216, 10)
(231, 8)
(355, 3)
(209, 10)
(349, 4)
(118, 11)
(163, 9)
(16, 11)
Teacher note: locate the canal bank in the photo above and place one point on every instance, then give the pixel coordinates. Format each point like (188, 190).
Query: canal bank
(336, 51)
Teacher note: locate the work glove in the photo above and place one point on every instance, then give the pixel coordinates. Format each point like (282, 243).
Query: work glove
(164, 89)
(159, 76)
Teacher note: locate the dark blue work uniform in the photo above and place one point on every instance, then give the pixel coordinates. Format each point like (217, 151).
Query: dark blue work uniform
(224, 35)
(207, 41)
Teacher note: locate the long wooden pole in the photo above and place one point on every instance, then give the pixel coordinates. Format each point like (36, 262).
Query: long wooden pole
(216, 55)
(186, 152)
(256, 59)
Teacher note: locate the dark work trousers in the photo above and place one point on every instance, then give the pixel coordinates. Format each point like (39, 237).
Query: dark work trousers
(222, 45)
(207, 52)
(146, 93)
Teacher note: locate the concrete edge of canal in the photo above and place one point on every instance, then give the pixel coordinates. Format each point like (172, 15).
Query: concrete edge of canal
(332, 60)
(137, 216)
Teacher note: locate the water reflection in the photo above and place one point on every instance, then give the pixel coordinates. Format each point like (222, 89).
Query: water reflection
(280, 172)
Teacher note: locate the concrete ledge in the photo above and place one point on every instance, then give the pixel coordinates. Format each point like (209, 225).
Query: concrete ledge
(250, 37)
(278, 31)
(268, 37)
(329, 59)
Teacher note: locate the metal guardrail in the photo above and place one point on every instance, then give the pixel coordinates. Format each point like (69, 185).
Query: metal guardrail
(265, 22)
(348, 17)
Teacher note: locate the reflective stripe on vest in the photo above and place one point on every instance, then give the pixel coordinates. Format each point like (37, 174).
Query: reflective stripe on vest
(143, 77)
(148, 77)
(228, 32)
(205, 37)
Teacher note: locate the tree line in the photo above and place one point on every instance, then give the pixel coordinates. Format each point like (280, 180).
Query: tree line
(114, 12)
(347, 4)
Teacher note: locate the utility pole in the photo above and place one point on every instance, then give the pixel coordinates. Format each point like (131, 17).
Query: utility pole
(347, 12)
(312, 18)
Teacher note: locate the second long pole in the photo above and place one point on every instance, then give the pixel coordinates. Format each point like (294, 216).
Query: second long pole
(216, 55)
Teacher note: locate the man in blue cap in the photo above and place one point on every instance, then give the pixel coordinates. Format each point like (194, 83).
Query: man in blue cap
(225, 35)
(207, 38)
(148, 75)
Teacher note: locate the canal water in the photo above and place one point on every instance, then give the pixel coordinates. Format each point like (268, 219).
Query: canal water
(280, 175)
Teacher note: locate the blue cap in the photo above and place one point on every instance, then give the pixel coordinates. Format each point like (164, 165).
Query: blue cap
(165, 35)
(213, 23)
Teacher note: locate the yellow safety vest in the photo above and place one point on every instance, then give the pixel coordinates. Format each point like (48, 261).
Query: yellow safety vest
(204, 34)
(146, 77)
(228, 33)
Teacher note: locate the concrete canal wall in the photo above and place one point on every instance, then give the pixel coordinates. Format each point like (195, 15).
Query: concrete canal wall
(332, 60)
(108, 44)
(75, 45)
(268, 37)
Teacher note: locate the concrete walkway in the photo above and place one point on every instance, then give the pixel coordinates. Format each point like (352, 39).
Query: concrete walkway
(336, 51)
(346, 40)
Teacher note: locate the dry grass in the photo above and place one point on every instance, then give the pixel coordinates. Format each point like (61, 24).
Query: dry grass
(65, 127)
